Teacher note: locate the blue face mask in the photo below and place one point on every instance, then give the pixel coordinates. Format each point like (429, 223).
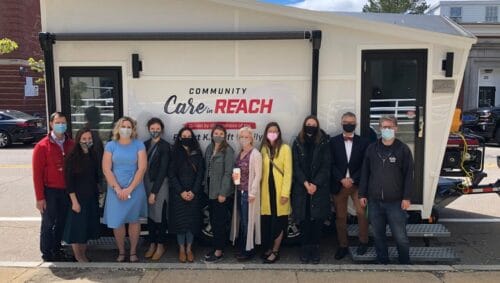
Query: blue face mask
(387, 134)
(60, 128)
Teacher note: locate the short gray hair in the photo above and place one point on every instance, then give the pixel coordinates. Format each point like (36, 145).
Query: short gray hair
(390, 118)
(246, 129)
(348, 114)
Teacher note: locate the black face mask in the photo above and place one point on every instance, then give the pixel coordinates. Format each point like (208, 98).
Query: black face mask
(349, 128)
(310, 130)
(186, 142)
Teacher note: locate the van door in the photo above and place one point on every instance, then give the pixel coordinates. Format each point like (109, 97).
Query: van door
(394, 83)
(92, 97)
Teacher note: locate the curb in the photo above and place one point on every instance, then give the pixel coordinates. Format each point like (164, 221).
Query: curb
(294, 267)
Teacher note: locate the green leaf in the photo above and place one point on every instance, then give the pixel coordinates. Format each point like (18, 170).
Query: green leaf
(7, 46)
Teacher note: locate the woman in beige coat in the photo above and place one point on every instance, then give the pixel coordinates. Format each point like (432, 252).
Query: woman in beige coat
(246, 209)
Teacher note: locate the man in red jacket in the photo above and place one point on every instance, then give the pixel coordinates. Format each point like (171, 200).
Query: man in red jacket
(50, 192)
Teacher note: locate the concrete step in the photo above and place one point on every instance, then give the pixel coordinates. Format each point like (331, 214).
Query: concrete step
(413, 230)
(417, 254)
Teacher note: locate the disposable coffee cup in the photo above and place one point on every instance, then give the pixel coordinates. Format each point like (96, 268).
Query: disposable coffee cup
(237, 171)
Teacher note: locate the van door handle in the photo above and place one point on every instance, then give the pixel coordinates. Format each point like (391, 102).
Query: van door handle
(421, 122)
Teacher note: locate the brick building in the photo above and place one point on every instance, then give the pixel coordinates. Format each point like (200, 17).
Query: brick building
(20, 21)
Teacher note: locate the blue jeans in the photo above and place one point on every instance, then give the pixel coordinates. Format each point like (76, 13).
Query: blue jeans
(53, 221)
(243, 207)
(381, 214)
(185, 238)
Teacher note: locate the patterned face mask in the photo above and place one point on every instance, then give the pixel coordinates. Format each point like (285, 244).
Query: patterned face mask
(86, 145)
(154, 134)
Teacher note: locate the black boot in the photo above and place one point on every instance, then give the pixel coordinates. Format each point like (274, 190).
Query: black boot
(305, 254)
(362, 249)
(315, 255)
(341, 253)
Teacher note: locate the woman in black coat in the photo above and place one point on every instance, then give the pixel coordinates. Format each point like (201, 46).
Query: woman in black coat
(311, 186)
(186, 176)
(155, 182)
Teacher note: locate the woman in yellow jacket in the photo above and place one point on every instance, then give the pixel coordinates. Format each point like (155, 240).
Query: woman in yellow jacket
(275, 191)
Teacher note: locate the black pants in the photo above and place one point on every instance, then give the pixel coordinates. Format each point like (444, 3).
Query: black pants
(272, 225)
(53, 220)
(158, 231)
(311, 231)
(219, 219)
(310, 227)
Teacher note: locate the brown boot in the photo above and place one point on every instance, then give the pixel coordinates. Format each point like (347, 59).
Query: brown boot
(190, 256)
(151, 251)
(182, 255)
(160, 250)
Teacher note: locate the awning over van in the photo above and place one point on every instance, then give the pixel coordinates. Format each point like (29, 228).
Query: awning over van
(424, 22)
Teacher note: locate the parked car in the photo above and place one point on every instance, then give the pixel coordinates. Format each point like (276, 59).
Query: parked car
(484, 122)
(17, 126)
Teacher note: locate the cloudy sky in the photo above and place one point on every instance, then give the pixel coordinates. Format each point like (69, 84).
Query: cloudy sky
(328, 5)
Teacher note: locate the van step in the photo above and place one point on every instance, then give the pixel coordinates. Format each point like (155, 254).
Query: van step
(107, 243)
(417, 254)
(413, 230)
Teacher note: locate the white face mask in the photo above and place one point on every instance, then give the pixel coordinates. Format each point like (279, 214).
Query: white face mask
(387, 134)
(125, 132)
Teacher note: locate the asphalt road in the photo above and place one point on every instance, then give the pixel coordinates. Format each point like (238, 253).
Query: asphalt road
(475, 242)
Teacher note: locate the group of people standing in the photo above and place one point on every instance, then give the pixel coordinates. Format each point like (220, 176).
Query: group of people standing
(267, 185)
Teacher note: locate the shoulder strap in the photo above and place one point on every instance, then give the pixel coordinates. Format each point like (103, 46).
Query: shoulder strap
(274, 164)
(191, 163)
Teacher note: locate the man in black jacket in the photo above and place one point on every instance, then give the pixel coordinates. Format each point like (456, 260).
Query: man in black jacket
(348, 151)
(386, 186)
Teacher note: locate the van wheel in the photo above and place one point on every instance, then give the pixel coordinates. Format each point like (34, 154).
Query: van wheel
(293, 234)
(5, 139)
(206, 234)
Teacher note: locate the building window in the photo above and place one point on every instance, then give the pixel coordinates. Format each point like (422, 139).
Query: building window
(456, 14)
(491, 14)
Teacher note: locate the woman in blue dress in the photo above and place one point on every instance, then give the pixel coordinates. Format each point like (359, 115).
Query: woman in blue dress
(124, 164)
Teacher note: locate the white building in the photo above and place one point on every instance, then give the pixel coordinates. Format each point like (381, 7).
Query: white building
(481, 87)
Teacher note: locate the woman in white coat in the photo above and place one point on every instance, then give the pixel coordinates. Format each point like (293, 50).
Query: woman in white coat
(246, 209)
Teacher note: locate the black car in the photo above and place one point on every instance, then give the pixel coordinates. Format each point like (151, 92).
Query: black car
(17, 126)
(484, 122)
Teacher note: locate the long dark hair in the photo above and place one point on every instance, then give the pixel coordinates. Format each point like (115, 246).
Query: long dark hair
(74, 158)
(223, 145)
(196, 144)
(302, 134)
(180, 153)
(273, 150)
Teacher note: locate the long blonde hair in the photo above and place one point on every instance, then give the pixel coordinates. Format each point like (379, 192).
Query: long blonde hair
(118, 124)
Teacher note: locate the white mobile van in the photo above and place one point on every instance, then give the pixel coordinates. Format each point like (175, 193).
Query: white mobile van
(243, 62)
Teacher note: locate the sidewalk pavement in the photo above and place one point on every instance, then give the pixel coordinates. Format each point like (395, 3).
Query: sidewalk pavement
(208, 273)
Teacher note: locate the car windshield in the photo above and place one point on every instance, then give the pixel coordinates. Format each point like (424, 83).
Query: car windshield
(17, 114)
